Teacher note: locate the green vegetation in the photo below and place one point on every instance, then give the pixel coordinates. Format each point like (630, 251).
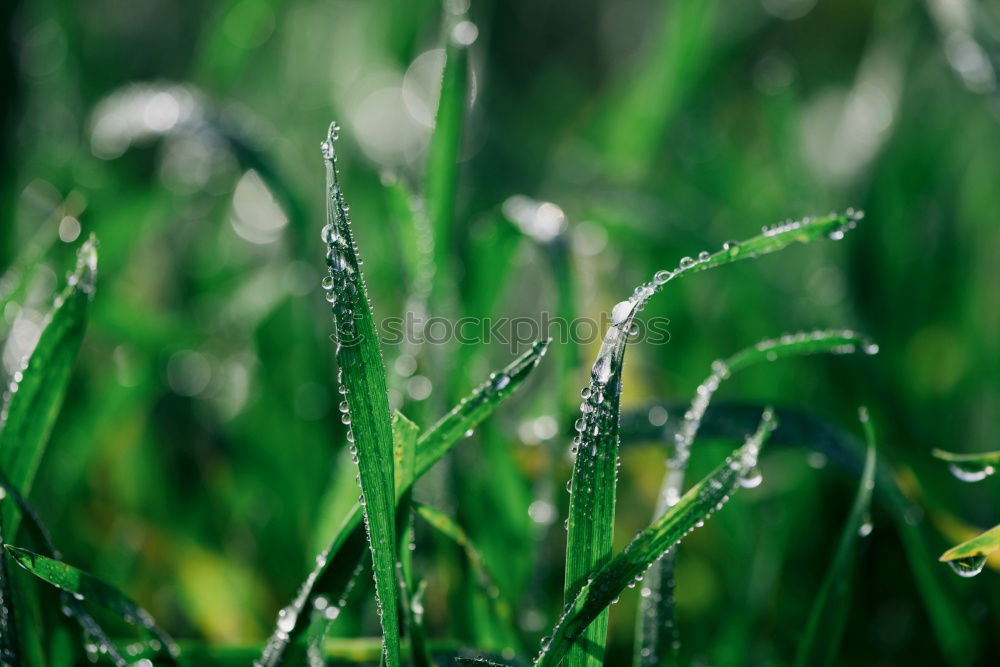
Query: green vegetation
(286, 438)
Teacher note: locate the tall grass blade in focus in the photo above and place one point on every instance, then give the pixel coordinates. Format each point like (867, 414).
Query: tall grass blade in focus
(602, 587)
(593, 485)
(821, 642)
(343, 550)
(364, 403)
(656, 628)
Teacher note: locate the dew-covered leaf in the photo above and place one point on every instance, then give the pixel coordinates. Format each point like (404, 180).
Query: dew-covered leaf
(364, 399)
(656, 634)
(968, 558)
(601, 587)
(824, 630)
(84, 586)
(592, 501)
(32, 402)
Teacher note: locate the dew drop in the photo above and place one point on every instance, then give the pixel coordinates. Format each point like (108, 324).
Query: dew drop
(968, 567)
(971, 471)
(686, 262)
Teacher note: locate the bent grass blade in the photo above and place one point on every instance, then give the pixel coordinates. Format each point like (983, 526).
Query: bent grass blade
(656, 634)
(364, 399)
(968, 558)
(830, 608)
(84, 586)
(33, 400)
(603, 586)
(343, 550)
(592, 501)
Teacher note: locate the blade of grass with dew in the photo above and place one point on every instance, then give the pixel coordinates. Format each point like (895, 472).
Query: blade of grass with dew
(404, 435)
(590, 525)
(973, 467)
(33, 400)
(799, 429)
(828, 617)
(341, 554)
(72, 606)
(441, 179)
(445, 525)
(656, 629)
(968, 558)
(364, 398)
(84, 586)
(602, 587)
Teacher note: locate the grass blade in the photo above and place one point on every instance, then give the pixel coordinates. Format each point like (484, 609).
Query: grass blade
(602, 586)
(343, 550)
(656, 631)
(592, 500)
(84, 586)
(33, 401)
(968, 558)
(799, 429)
(441, 180)
(365, 403)
(970, 467)
(830, 609)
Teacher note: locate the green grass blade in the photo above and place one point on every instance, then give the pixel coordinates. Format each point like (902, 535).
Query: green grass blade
(968, 558)
(441, 179)
(404, 435)
(476, 407)
(799, 429)
(365, 402)
(31, 405)
(344, 548)
(656, 631)
(592, 500)
(970, 467)
(603, 586)
(84, 586)
(828, 617)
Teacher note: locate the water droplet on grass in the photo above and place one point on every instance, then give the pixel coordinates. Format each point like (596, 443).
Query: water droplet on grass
(968, 567)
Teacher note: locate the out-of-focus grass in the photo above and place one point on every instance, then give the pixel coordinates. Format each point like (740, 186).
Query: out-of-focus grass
(202, 426)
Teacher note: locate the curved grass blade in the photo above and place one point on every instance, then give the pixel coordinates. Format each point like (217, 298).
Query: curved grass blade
(445, 525)
(799, 429)
(365, 402)
(592, 500)
(84, 586)
(828, 617)
(968, 558)
(603, 586)
(73, 607)
(656, 631)
(970, 467)
(344, 549)
(34, 398)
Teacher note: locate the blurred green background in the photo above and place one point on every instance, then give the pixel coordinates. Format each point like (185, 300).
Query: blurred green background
(199, 461)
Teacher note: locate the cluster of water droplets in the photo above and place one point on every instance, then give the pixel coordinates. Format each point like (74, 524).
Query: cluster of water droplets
(850, 220)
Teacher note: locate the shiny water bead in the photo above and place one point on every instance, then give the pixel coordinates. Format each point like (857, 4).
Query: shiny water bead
(662, 276)
(703, 256)
(686, 263)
